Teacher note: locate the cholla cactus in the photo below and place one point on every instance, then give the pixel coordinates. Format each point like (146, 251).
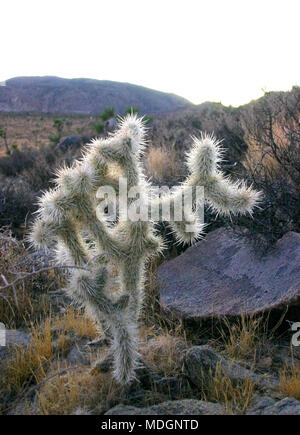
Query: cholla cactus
(108, 279)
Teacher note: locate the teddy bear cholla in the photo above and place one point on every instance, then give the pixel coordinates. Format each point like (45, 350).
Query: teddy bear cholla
(69, 224)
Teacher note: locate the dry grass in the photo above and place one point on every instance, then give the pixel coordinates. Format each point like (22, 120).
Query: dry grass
(50, 342)
(77, 392)
(77, 322)
(29, 365)
(63, 343)
(289, 382)
(164, 353)
(245, 338)
(17, 309)
(235, 398)
(162, 163)
(156, 320)
(27, 301)
(34, 130)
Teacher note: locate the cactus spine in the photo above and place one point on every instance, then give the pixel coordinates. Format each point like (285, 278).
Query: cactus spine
(69, 224)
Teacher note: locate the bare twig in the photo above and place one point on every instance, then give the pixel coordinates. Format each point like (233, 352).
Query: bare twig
(32, 389)
(24, 276)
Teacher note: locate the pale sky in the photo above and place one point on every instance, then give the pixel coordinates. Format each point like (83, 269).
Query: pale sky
(203, 50)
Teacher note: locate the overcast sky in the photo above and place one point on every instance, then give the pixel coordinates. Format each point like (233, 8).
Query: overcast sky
(216, 50)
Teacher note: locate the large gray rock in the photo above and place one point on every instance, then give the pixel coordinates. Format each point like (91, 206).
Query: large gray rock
(175, 407)
(200, 364)
(225, 276)
(268, 406)
(13, 338)
(72, 142)
(111, 124)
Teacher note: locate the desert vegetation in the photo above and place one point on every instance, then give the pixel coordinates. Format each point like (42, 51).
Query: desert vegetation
(59, 361)
(68, 212)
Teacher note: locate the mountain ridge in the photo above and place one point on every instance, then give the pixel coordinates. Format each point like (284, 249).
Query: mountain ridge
(51, 94)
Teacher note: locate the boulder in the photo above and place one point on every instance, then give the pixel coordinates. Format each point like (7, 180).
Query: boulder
(72, 142)
(224, 275)
(268, 406)
(200, 364)
(175, 407)
(111, 124)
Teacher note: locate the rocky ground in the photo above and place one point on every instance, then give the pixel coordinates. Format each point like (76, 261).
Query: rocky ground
(182, 371)
(53, 362)
(194, 360)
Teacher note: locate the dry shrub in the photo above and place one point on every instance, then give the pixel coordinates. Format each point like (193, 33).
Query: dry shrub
(17, 309)
(62, 344)
(26, 301)
(272, 131)
(162, 163)
(29, 365)
(77, 322)
(33, 130)
(220, 388)
(23, 175)
(17, 201)
(290, 381)
(164, 354)
(156, 320)
(77, 393)
(35, 166)
(245, 338)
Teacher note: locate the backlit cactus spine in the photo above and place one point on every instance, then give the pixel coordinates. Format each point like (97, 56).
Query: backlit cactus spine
(111, 287)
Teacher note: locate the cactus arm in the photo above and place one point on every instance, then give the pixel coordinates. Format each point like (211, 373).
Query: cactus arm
(224, 196)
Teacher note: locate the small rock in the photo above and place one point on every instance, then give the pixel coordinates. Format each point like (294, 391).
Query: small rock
(268, 406)
(175, 407)
(201, 362)
(13, 338)
(284, 356)
(73, 142)
(296, 352)
(82, 411)
(173, 386)
(16, 337)
(75, 356)
(259, 403)
(111, 124)
(265, 363)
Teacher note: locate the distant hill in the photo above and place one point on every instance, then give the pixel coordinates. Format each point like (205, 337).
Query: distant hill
(82, 96)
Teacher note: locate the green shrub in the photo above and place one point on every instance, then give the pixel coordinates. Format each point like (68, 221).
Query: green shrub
(99, 127)
(131, 110)
(108, 112)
